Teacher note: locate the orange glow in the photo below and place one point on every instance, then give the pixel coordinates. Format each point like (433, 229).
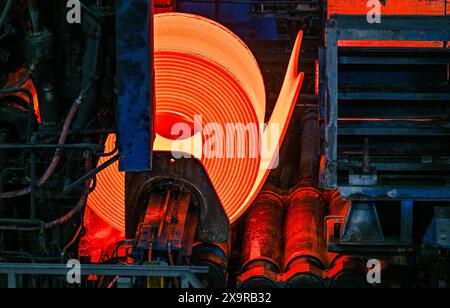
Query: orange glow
(406, 44)
(99, 239)
(393, 7)
(13, 79)
(201, 68)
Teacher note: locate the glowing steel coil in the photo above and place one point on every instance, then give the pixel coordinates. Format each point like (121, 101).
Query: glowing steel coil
(203, 69)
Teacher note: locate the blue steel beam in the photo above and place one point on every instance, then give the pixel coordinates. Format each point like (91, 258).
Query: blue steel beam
(392, 193)
(379, 60)
(393, 128)
(407, 222)
(394, 96)
(397, 28)
(331, 103)
(134, 66)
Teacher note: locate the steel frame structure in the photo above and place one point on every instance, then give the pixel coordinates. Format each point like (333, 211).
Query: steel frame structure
(185, 273)
(392, 28)
(356, 28)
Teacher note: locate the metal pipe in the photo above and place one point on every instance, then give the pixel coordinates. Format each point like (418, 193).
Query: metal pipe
(33, 10)
(263, 237)
(304, 255)
(93, 48)
(5, 13)
(20, 224)
(32, 186)
(55, 161)
(39, 55)
(263, 231)
(310, 158)
(305, 274)
(91, 174)
(102, 270)
(25, 77)
(11, 224)
(305, 226)
(78, 146)
(81, 203)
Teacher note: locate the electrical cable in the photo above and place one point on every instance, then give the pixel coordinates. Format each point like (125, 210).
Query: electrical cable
(113, 282)
(62, 220)
(74, 239)
(58, 153)
(110, 153)
(55, 161)
(25, 77)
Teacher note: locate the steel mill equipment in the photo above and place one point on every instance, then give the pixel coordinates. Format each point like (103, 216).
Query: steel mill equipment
(225, 144)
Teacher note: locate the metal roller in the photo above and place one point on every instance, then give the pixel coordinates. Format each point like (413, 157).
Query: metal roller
(262, 244)
(304, 235)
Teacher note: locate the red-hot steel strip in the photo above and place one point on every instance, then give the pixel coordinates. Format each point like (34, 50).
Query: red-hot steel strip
(203, 69)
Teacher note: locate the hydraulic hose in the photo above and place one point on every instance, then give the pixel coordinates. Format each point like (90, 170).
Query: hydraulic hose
(62, 220)
(58, 153)
(56, 158)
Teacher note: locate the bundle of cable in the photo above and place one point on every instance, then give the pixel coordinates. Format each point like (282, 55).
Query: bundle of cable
(210, 105)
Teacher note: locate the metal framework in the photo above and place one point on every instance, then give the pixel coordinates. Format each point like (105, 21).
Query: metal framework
(185, 273)
(348, 141)
(396, 28)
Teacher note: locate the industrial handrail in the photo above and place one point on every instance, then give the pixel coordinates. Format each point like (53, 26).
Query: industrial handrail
(185, 273)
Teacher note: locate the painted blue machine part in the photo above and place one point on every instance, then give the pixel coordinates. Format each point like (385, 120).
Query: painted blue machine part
(134, 84)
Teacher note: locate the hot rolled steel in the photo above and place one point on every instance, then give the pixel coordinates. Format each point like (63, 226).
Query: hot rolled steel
(203, 70)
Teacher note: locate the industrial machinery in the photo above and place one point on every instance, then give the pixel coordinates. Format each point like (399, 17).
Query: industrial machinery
(240, 144)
